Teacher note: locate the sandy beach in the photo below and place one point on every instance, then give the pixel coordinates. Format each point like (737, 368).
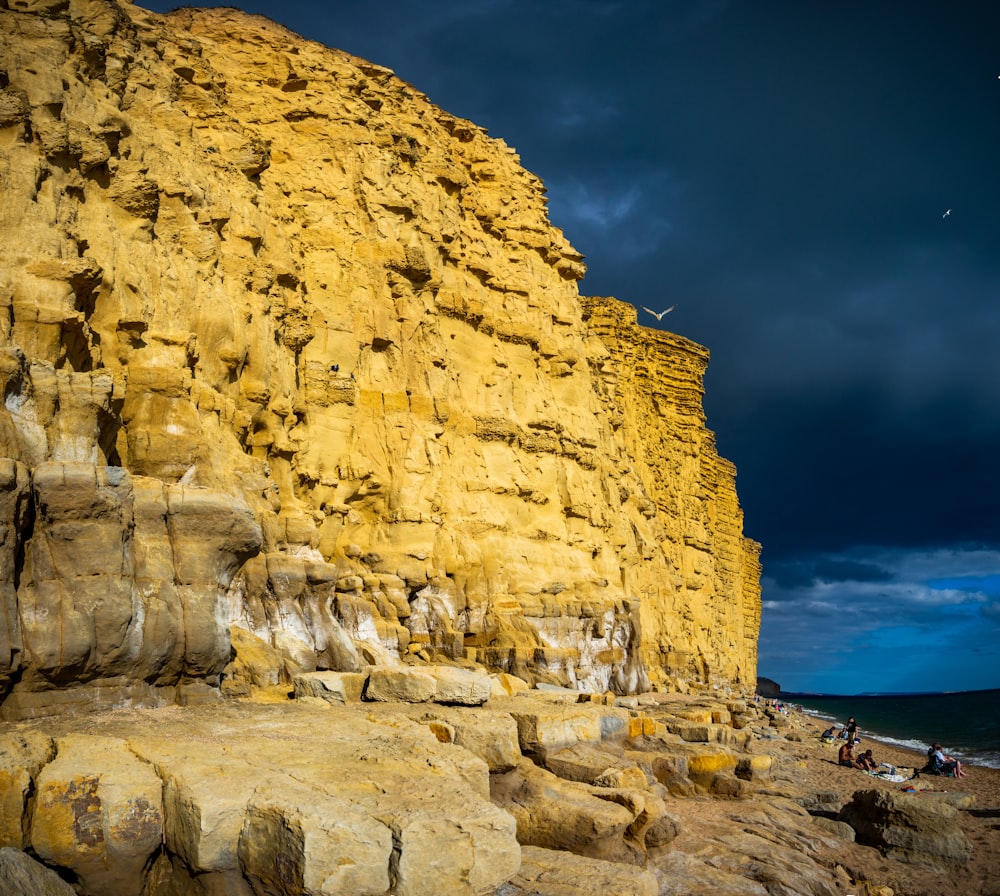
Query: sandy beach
(980, 823)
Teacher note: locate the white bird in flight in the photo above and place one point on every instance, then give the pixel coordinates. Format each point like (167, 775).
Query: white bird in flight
(658, 314)
(946, 214)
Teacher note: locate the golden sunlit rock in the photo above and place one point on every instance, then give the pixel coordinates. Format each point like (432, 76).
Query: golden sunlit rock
(287, 348)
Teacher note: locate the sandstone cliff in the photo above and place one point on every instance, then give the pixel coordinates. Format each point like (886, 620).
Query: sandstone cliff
(297, 371)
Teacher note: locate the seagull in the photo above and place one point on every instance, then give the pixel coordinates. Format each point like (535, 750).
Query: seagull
(946, 214)
(658, 314)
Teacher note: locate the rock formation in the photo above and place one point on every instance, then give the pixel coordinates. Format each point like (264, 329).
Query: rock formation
(909, 828)
(300, 395)
(534, 794)
(546, 793)
(297, 377)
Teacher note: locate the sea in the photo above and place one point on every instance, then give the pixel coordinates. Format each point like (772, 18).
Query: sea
(965, 723)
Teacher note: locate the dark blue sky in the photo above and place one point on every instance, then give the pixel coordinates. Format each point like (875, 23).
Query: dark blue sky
(779, 171)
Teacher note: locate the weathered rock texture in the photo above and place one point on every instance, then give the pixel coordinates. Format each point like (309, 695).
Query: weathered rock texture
(532, 795)
(909, 828)
(249, 799)
(293, 360)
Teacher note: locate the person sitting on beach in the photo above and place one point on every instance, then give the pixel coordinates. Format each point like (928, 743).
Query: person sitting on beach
(830, 733)
(846, 755)
(866, 762)
(944, 765)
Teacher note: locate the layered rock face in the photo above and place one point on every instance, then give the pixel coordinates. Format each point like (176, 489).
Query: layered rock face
(294, 363)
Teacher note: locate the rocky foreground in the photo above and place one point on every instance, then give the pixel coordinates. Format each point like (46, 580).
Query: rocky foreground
(413, 781)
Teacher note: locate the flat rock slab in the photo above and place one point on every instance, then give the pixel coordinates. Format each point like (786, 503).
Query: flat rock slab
(589, 762)
(351, 802)
(463, 687)
(541, 729)
(403, 685)
(550, 872)
(488, 734)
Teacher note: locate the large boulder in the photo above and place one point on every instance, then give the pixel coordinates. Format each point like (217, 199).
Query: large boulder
(464, 687)
(557, 814)
(912, 828)
(492, 736)
(402, 685)
(99, 813)
(333, 687)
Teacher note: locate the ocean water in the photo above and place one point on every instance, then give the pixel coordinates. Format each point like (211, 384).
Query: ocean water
(966, 723)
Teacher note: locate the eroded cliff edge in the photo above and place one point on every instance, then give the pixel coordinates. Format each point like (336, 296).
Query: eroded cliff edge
(293, 361)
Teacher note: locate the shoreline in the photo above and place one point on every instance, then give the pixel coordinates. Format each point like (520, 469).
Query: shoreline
(905, 725)
(980, 821)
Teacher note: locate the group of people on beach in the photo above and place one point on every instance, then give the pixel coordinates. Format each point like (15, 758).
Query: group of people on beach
(937, 762)
(866, 762)
(848, 732)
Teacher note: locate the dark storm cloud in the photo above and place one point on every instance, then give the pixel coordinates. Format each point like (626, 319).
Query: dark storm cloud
(926, 620)
(780, 172)
(805, 571)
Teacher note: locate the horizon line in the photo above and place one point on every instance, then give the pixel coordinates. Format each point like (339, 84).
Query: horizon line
(884, 693)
